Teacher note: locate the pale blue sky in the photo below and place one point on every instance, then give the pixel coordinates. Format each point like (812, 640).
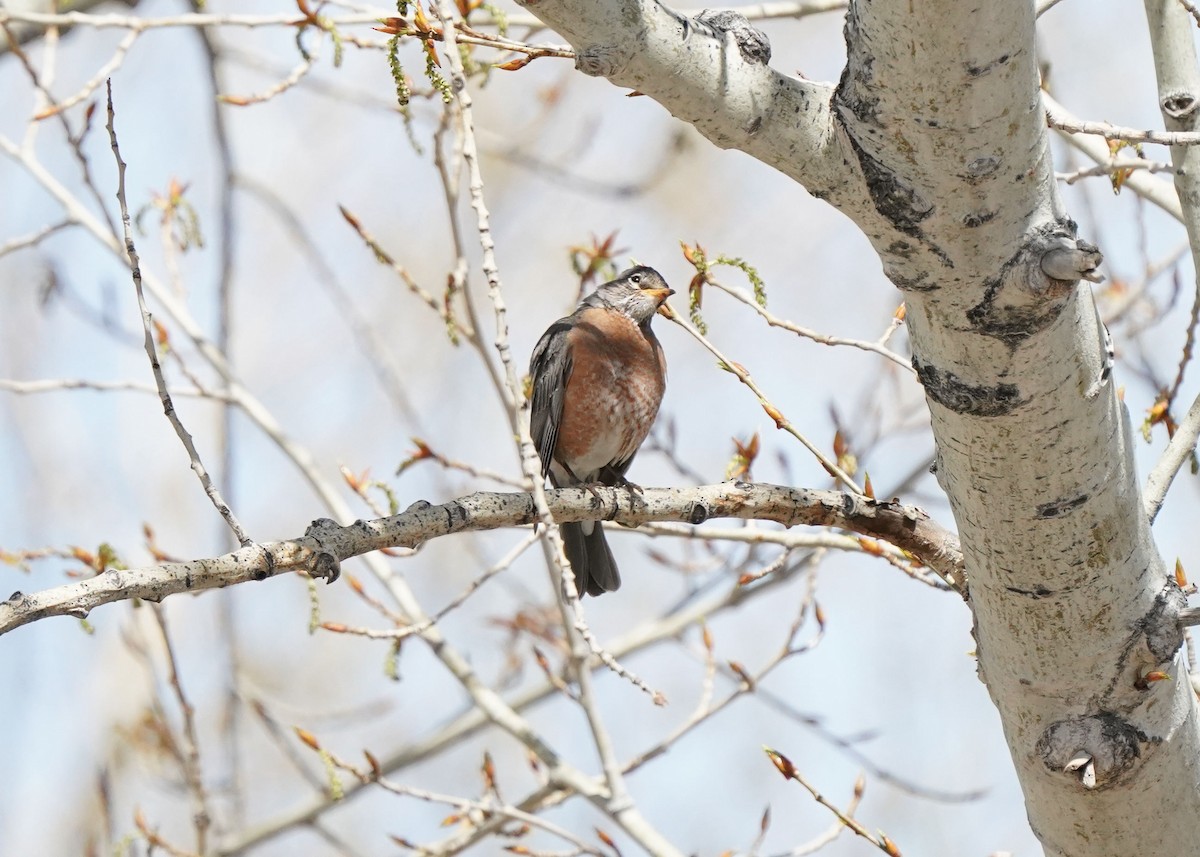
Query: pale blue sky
(79, 468)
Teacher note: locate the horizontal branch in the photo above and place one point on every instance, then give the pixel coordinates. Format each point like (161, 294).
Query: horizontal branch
(1060, 118)
(191, 19)
(326, 544)
(794, 9)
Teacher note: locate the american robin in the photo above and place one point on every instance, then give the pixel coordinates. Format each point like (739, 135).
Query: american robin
(598, 379)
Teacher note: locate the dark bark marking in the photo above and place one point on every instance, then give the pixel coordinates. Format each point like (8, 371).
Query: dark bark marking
(919, 283)
(1037, 592)
(1060, 507)
(976, 400)
(977, 218)
(1159, 625)
(981, 168)
(981, 70)
(898, 203)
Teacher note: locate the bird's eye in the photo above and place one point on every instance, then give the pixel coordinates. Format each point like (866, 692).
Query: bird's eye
(635, 279)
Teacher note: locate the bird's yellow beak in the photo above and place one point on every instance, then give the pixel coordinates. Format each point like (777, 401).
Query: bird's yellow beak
(660, 295)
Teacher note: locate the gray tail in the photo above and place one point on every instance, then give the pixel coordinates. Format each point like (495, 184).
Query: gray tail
(591, 559)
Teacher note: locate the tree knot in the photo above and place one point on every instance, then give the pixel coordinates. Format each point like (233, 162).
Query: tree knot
(752, 42)
(1110, 745)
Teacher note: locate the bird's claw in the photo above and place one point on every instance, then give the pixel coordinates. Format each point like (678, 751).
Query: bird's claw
(631, 487)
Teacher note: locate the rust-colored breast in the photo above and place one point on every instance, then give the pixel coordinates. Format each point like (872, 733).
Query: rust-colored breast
(617, 381)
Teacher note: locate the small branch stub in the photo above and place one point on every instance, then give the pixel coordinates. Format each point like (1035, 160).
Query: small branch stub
(751, 41)
(1097, 748)
(1084, 767)
(325, 564)
(326, 567)
(1179, 105)
(1035, 285)
(1072, 259)
(601, 60)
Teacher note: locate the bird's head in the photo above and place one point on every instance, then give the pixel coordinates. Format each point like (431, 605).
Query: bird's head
(637, 293)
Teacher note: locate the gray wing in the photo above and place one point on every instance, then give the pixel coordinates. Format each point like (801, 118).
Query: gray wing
(550, 367)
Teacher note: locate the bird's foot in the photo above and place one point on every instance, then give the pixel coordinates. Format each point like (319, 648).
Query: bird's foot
(592, 486)
(631, 487)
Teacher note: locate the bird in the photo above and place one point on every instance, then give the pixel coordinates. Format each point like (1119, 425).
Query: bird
(599, 375)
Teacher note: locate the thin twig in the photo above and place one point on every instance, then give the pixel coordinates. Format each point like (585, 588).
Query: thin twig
(1152, 272)
(57, 385)
(285, 743)
(1145, 185)
(187, 20)
(473, 810)
(789, 771)
(781, 422)
(151, 350)
(293, 77)
(192, 773)
(835, 830)
(1185, 358)
(425, 453)
(409, 630)
(619, 803)
(1192, 10)
(1179, 450)
(665, 627)
(45, 99)
(1058, 117)
(775, 321)
(891, 554)
(413, 286)
(379, 357)
(105, 73)
(1115, 165)
(746, 683)
(33, 238)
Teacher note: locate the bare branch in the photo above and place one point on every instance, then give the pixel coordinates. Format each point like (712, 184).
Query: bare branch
(1173, 41)
(164, 394)
(190, 758)
(775, 321)
(1179, 450)
(781, 422)
(33, 238)
(1115, 165)
(57, 385)
(327, 544)
(1060, 119)
(1156, 191)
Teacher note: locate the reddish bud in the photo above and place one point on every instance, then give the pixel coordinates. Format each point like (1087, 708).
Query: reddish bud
(782, 763)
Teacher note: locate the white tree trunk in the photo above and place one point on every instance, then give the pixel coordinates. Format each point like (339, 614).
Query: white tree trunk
(935, 143)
